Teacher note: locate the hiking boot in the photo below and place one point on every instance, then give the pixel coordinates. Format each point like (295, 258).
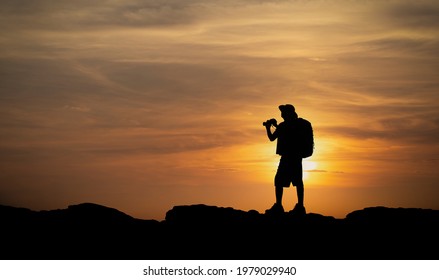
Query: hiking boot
(299, 210)
(275, 209)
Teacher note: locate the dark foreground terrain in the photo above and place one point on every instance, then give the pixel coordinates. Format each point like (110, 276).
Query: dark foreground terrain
(90, 231)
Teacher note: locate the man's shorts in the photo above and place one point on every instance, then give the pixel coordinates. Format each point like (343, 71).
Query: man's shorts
(288, 171)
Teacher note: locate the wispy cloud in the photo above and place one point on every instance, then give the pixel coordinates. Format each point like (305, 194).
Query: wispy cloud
(121, 80)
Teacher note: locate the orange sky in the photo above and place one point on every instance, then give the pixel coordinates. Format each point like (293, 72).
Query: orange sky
(143, 105)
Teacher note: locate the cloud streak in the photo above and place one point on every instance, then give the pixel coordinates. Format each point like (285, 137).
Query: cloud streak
(192, 81)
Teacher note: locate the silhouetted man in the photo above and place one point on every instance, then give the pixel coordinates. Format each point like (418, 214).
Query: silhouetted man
(290, 165)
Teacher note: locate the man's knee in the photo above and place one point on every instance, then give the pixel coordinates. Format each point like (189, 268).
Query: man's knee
(299, 185)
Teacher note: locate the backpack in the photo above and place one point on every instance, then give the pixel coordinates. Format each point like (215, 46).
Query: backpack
(306, 138)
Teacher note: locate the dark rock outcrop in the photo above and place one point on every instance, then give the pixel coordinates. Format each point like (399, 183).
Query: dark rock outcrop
(91, 231)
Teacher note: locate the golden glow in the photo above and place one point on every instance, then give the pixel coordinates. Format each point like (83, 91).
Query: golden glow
(160, 106)
(308, 166)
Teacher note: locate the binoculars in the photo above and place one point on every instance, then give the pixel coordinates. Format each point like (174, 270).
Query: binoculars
(270, 122)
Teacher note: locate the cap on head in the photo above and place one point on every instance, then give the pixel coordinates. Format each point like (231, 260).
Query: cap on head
(287, 108)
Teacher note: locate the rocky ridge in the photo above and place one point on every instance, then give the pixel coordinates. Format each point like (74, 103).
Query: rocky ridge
(92, 231)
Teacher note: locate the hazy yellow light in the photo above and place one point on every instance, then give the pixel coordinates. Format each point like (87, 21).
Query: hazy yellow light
(309, 165)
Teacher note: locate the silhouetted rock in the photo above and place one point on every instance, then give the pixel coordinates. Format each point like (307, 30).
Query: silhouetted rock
(393, 216)
(92, 231)
(84, 231)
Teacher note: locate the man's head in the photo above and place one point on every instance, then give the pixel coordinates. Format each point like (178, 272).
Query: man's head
(288, 111)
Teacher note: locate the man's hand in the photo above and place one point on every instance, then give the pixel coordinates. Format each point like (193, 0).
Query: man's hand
(270, 122)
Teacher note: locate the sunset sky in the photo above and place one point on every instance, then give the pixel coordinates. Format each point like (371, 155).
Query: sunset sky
(144, 105)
